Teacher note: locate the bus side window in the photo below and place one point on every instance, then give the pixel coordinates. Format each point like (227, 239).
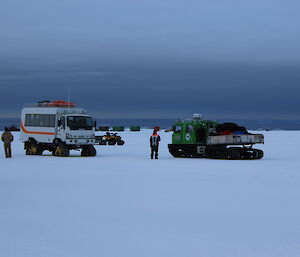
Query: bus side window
(27, 120)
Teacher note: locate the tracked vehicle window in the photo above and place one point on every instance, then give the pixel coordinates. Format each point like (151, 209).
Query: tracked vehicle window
(39, 120)
(79, 122)
(189, 128)
(178, 128)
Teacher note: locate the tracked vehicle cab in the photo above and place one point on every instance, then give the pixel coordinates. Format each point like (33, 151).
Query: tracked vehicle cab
(192, 131)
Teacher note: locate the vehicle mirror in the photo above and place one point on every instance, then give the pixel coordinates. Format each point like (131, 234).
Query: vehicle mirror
(95, 123)
(59, 123)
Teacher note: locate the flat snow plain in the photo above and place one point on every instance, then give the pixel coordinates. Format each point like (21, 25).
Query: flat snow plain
(122, 204)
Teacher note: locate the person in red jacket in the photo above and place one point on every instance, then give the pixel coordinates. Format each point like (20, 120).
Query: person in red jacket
(154, 143)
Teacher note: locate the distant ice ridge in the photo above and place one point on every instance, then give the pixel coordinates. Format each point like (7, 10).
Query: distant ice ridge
(167, 123)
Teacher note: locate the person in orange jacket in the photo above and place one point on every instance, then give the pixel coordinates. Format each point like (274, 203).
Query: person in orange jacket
(154, 143)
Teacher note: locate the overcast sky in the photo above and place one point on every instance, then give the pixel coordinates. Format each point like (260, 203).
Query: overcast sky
(156, 58)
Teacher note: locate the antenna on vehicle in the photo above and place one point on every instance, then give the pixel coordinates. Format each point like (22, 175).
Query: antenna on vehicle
(68, 98)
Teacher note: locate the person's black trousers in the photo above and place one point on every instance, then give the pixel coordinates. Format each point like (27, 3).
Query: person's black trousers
(7, 150)
(154, 152)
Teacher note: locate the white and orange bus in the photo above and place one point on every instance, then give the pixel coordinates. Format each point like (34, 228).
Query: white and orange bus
(57, 127)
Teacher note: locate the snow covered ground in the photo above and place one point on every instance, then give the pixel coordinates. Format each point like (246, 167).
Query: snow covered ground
(122, 204)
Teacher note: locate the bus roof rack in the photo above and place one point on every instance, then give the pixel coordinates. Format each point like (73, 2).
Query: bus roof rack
(48, 104)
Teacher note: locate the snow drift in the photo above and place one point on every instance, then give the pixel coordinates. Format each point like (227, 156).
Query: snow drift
(121, 203)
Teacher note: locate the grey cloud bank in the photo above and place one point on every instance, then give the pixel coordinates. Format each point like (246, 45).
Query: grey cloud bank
(152, 58)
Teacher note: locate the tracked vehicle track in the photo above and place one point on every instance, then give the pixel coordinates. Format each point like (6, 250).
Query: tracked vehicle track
(215, 152)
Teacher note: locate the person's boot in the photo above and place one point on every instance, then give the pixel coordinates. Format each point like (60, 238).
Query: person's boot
(156, 156)
(151, 156)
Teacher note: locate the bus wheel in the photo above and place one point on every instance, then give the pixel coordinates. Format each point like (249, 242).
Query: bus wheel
(62, 150)
(32, 148)
(88, 151)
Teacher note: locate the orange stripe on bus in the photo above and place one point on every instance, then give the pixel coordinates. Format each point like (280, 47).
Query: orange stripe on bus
(34, 132)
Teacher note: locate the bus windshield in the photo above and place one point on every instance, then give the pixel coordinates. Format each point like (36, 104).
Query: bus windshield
(80, 122)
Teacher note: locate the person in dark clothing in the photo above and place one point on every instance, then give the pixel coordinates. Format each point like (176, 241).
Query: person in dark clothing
(154, 143)
(7, 138)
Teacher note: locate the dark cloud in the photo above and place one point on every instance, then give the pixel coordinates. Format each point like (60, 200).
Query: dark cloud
(152, 58)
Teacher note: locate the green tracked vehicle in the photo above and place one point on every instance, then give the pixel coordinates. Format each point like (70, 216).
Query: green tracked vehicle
(208, 139)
